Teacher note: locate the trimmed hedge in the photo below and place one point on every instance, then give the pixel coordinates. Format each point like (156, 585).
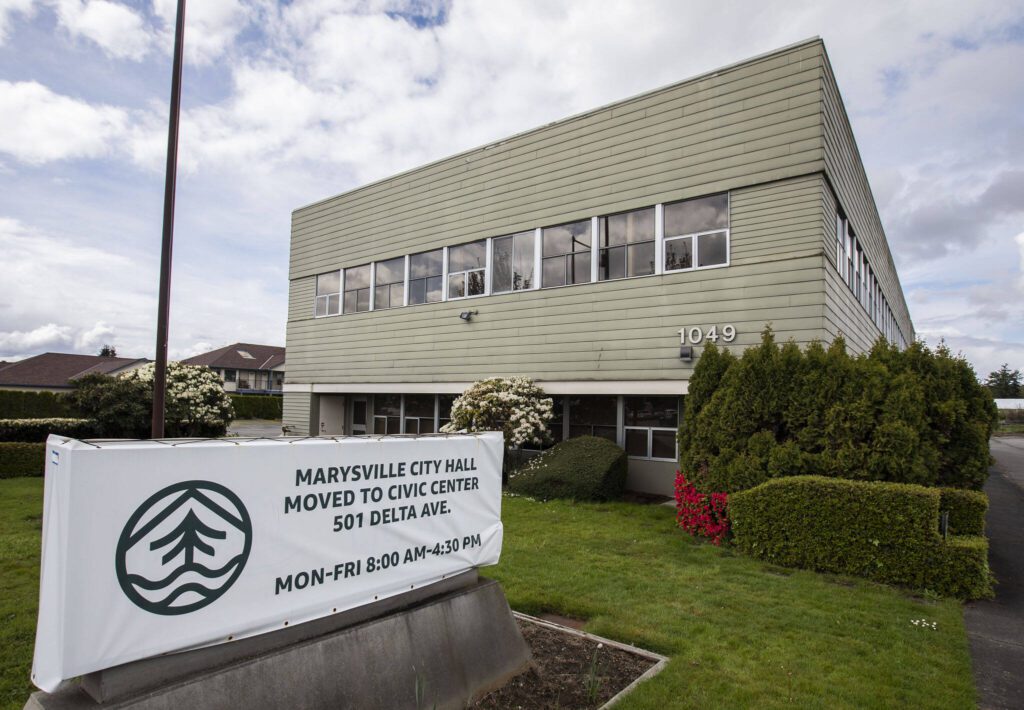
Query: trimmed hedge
(36, 430)
(20, 459)
(886, 532)
(18, 404)
(966, 510)
(584, 468)
(256, 406)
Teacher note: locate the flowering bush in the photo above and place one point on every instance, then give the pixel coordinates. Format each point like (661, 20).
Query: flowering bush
(704, 514)
(195, 404)
(513, 405)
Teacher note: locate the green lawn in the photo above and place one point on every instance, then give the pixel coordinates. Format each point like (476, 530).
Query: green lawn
(740, 633)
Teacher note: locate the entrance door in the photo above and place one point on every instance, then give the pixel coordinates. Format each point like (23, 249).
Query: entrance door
(359, 415)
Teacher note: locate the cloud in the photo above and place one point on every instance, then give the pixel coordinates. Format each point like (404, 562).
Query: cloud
(211, 26)
(46, 337)
(7, 10)
(119, 31)
(38, 125)
(100, 334)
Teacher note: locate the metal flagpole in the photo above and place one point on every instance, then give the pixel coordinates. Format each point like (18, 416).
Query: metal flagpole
(164, 307)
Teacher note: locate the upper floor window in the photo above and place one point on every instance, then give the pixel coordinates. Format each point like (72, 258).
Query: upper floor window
(696, 233)
(389, 284)
(512, 262)
(627, 244)
(467, 269)
(566, 254)
(328, 294)
(426, 274)
(357, 289)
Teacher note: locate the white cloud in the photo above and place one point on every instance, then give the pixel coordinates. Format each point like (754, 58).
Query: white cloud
(211, 26)
(43, 338)
(7, 10)
(38, 125)
(92, 339)
(117, 29)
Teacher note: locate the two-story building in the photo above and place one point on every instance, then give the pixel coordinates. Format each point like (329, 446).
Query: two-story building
(597, 255)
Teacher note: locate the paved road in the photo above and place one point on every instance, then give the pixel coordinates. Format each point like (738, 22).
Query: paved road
(995, 627)
(255, 427)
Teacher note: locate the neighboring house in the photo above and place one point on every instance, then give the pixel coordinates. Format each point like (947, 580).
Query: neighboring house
(246, 368)
(597, 255)
(1008, 404)
(56, 372)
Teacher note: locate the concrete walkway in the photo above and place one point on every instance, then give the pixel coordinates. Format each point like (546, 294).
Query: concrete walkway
(995, 627)
(255, 427)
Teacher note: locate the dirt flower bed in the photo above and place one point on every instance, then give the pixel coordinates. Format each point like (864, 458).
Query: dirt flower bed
(569, 671)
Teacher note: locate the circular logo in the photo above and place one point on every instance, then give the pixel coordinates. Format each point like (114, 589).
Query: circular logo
(183, 548)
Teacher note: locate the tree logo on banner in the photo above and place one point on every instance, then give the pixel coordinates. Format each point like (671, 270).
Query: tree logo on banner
(183, 548)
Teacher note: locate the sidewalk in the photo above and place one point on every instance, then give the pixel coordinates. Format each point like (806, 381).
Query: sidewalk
(995, 627)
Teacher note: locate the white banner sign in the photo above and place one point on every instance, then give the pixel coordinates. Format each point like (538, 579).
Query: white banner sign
(150, 548)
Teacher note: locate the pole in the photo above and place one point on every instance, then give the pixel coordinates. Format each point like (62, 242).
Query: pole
(164, 306)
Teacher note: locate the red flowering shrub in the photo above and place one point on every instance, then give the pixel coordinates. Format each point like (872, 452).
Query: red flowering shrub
(704, 514)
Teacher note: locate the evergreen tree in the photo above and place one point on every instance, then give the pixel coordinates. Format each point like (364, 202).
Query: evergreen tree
(108, 351)
(1005, 383)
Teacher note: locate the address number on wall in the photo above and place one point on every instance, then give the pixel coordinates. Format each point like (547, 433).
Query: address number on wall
(695, 335)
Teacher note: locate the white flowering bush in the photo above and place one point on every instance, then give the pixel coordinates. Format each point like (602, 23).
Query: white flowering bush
(513, 405)
(195, 404)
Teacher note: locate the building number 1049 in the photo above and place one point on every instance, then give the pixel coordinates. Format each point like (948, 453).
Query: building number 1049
(695, 334)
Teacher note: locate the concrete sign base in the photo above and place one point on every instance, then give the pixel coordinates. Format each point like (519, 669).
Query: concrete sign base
(443, 652)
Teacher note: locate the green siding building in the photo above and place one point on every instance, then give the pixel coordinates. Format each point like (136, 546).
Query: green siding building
(597, 255)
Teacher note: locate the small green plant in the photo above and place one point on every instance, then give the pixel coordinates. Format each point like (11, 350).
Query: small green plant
(593, 681)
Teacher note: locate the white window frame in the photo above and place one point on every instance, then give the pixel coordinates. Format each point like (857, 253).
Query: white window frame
(404, 282)
(343, 292)
(490, 261)
(327, 296)
(443, 275)
(486, 269)
(650, 441)
(663, 240)
(595, 247)
(563, 255)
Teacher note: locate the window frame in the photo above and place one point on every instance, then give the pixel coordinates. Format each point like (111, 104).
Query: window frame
(375, 283)
(665, 238)
(465, 272)
(564, 256)
(601, 232)
(345, 291)
(531, 234)
(327, 296)
(443, 276)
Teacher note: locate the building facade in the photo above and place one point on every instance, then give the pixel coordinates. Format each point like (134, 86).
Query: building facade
(57, 372)
(246, 368)
(596, 255)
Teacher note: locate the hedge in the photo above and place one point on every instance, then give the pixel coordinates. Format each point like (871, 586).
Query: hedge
(36, 430)
(20, 459)
(256, 406)
(25, 404)
(966, 510)
(584, 468)
(886, 532)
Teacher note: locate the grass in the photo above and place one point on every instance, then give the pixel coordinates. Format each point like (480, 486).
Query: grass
(739, 633)
(1009, 428)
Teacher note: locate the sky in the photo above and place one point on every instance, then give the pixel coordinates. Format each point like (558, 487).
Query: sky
(287, 103)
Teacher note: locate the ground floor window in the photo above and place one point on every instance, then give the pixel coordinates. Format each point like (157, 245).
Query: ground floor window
(420, 413)
(650, 427)
(594, 415)
(387, 414)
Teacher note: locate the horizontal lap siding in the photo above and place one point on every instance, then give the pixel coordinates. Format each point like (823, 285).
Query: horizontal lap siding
(295, 412)
(625, 329)
(847, 177)
(751, 124)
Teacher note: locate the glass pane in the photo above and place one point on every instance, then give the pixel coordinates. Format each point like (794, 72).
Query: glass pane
(595, 409)
(380, 425)
(613, 263)
(566, 238)
(501, 261)
(391, 271)
(652, 411)
(419, 405)
(711, 249)
(333, 304)
(426, 264)
(328, 283)
(476, 283)
(579, 268)
(359, 412)
(699, 215)
(434, 289)
(554, 271)
(641, 259)
(444, 405)
(626, 228)
(456, 286)
(427, 425)
(357, 277)
(606, 432)
(382, 297)
(412, 426)
(363, 299)
(636, 442)
(467, 256)
(679, 254)
(523, 261)
(394, 425)
(417, 291)
(663, 444)
(397, 294)
(350, 301)
(580, 430)
(387, 404)
(321, 305)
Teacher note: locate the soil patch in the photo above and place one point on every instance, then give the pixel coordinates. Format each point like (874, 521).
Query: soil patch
(569, 671)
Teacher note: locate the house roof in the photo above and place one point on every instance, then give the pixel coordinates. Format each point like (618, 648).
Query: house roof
(241, 356)
(58, 369)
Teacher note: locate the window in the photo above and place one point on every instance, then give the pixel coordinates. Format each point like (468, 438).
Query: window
(229, 375)
(851, 240)
(512, 259)
(566, 254)
(627, 244)
(419, 414)
(697, 233)
(594, 415)
(426, 277)
(840, 244)
(651, 425)
(387, 414)
(328, 294)
(467, 269)
(357, 289)
(243, 379)
(389, 284)
(246, 355)
(444, 409)
(278, 381)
